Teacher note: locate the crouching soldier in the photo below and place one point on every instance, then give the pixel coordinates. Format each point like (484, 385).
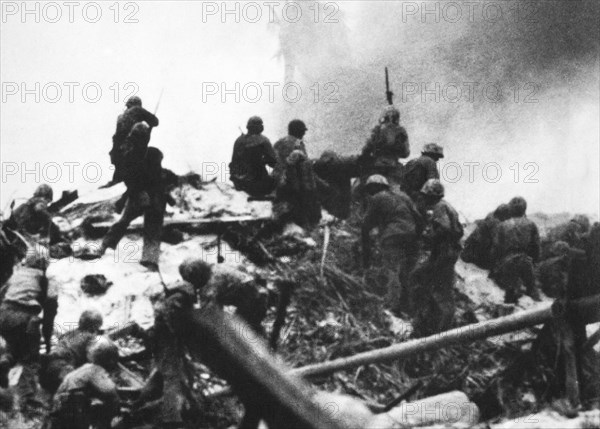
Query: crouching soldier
(400, 225)
(252, 152)
(26, 294)
(434, 280)
(71, 350)
(516, 246)
(72, 407)
(419, 170)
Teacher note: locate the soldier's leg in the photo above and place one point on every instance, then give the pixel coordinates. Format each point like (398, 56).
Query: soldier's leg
(528, 277)
(117, 231)
(567, 348)
(153, 225)
(391, 255)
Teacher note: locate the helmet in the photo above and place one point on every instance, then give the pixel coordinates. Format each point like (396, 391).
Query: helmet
(296, 157)
(433, 149)
(254, 121)
(195, 271)
(518, 206)
(583, 221)
(297, 128)
(329, 156)
(377, 179)
(103, 352)
(44, 191)
(433, 188)
(502, 212)
(390, 114)
(133, 101)
(90, 321)
(560, 248)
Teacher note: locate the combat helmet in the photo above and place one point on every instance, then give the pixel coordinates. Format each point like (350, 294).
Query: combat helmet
(433, 188)
(433, 149)
(44, 191)
(133, 101)
(103, 352)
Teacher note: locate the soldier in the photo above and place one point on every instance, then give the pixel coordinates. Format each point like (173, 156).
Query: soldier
(400, 225)
(252, 152)
(434, 295)
(296, 198)
(146, 196)
(72, 407)
(573, 233)
(33, 216)
(286, 145)
(27, 293)
(337, 173)
(71, 350)
(419, 170)
(131, 139)
(515, 248)
(387, 143)
(478, 244)
(171, 342)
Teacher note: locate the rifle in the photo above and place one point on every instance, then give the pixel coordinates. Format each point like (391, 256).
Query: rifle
(389, 95)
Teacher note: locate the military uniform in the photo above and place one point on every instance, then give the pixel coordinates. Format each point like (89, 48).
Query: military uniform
(146, 195)
(68, 354)
(296, 198)
(251, 153)
(387, 143)
(434, 296)
(399, 225)
(337, 172)
(477, 248)
(418, 171)
(27, 293)
(283, 149)
(130, 141)
(516, 246)
(72, 401)
(33, 218)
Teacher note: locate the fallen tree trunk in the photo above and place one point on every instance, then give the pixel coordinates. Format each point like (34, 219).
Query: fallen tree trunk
(589, 306)
(464, 334)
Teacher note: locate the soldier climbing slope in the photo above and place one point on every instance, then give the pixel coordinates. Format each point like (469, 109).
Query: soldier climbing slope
(515, 248)
(131, 139)
(434, 280)
(388, 142)
(419, 170)
(400, 225)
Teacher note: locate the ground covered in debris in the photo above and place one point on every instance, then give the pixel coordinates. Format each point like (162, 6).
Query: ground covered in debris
(337, 310)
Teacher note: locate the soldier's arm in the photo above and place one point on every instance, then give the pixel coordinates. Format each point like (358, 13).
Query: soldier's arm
(270, 157)
(403, 145)
(150, 118)
(534, 250)
(370, 144)
(103, 388)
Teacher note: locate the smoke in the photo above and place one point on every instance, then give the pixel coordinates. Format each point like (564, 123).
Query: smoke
(510, 89)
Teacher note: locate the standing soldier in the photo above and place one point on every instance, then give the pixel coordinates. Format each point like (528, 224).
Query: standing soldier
(399, 225)
(252, 152)
(148, 196)
(26, 294)
(388, 142)
(516, 247)
(435, 304)
(72, 407)
(131, 139)
(419, 170)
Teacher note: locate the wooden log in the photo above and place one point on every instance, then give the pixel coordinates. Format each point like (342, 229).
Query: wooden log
(262, 382)
(446, 409)
(463, 334)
